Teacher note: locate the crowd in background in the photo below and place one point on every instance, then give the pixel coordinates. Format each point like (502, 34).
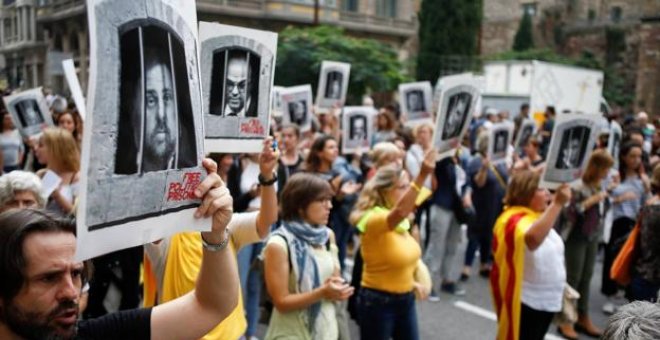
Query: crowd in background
(303, 211)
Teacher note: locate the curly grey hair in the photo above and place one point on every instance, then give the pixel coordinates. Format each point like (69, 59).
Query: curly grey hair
(639, 320)
(20, 181)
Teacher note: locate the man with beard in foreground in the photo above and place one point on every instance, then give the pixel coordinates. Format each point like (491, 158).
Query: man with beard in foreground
(41, 281)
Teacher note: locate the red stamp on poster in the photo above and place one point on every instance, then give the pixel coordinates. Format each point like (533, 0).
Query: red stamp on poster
(184, 190)
(253, 126)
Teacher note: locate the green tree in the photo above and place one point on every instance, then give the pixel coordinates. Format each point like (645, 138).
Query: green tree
(448, 30)
(374, 65)
(524, 39)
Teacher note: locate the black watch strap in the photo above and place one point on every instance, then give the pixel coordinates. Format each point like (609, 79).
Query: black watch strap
(264, 182)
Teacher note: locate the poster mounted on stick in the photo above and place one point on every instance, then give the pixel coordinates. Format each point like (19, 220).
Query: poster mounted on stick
(74, 87)
(573, 140)
(614, 142)
(459, 97)
(297, 105)
(500, 137)
(144, 141)
(416, 102)
(238, 67)
(333, 85)
(276, 107)
(528, 129)
(357, 129)
(29, 111)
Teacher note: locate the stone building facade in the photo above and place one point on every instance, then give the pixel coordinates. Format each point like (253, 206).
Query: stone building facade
(621, 34)
(57, 29)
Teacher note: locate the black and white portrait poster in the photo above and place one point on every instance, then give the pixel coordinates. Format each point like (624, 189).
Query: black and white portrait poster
(297, 106)
(29, 111)
(357, 128)
(528, 129)
(276, 106)
(238, 66)
(614, 142)
(333, 85)
(141, 159)
(416, 101)
(573, 140)
(459, 97)
(500, 137)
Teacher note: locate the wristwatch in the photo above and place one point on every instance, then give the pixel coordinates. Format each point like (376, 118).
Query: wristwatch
(216, 247)
(265, 183)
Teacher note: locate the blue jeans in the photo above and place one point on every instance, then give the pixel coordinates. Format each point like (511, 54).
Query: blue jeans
(642, 290)
(384, 315)
(251, 282)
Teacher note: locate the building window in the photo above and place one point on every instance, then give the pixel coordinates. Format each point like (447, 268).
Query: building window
(386, 8)
(616, 13)
(350, 5)
(529, 9)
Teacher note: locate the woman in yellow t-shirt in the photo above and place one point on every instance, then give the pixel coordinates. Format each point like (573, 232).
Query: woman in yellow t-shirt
(386, 300)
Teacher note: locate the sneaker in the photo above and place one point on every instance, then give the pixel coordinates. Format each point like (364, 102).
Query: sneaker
(464, 277)
(452, 288)
(609, 308)
(433, 297)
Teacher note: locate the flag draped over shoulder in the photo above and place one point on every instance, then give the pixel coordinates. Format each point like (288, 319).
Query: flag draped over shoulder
(507, 274)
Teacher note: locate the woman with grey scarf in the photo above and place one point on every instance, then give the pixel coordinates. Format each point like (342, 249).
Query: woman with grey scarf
(301, 267)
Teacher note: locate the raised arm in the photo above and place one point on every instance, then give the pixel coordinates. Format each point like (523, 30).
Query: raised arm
(537, 233)
(406, 203)
(216, 292)
(268, 210)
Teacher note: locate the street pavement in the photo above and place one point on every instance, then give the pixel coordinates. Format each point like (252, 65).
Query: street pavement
(471, 316)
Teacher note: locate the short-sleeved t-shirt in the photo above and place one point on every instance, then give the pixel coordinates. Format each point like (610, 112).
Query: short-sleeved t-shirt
(390, 256)
(125, 325)
(188, 261)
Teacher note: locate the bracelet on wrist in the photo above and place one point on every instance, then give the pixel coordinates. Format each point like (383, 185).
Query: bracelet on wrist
(212, 247)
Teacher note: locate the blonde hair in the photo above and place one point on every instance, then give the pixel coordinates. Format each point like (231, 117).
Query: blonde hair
(382, 152)
(425, 125)
(372, 192)
(483, 139)
(62, 148)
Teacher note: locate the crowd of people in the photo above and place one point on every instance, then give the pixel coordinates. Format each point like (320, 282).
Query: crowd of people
(306, 238)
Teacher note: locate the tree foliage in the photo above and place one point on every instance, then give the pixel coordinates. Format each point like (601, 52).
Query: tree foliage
(446, 28)
(374, 65)
(524, 39)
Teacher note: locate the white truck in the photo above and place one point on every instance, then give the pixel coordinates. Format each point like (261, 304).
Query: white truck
(508, 84)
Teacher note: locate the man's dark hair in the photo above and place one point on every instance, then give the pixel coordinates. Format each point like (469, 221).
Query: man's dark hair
(524, 106)
(300, 191)
(632, 130)
(551, 110)
(15, 226)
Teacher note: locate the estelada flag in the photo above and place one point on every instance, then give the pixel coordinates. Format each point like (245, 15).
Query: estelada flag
(507, 273)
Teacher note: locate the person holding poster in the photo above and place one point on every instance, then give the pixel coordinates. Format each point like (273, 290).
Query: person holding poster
(488, 183)
(42, 282)
(174, 263)
(582, 230)
(529, 274)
